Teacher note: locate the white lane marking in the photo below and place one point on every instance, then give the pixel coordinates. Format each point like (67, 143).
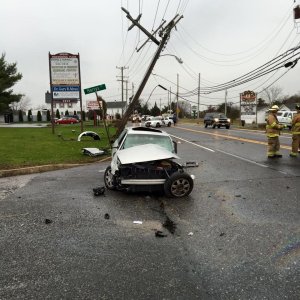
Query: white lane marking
(199, 146)
(233, 155)
(245, 159)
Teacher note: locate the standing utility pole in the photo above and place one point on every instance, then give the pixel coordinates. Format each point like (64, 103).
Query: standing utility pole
(177, 94)
(225, 102)
(165, 34)
(122, 85)
(198, 109)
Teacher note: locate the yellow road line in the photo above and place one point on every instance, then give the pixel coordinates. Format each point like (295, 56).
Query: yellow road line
(232, 137)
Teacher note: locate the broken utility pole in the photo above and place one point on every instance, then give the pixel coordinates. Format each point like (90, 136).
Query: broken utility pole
(165, 35)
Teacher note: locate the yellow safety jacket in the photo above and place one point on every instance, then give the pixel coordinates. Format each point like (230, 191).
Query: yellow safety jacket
(273, 127)
(296, 124)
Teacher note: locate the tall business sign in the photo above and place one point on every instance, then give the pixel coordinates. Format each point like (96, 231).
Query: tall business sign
(65, 83)
(248, 106)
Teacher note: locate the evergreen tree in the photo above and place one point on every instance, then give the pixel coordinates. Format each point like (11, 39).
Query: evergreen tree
(8, 78)
(29, 115)
(83, 116)
(145, 109)
(48, 116)
(39, 116)
(57, 114)
(66, 113)
(155, 110)
(21, 116)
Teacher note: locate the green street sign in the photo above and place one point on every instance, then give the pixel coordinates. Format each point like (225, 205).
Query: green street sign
(95, 89)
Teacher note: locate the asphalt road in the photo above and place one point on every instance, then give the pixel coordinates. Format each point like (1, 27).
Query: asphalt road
(237, 236)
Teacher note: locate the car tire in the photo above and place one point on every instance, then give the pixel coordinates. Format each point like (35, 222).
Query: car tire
(219, 126)
(228, 126)
(179, 184)
(169, 124)
(205, 125)
(157, 125)
(214, 126)
(109, 179)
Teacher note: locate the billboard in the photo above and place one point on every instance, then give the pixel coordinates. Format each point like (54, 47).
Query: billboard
(248, 103)
(65, 76)
(65, 92)
(64, 68)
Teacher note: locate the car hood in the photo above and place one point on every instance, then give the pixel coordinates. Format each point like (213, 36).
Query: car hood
(142, 153)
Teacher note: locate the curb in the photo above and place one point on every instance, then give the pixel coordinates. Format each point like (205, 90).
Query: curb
(44, 168)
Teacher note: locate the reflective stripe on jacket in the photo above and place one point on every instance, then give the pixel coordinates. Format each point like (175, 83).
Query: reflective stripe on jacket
(273, 127)
(296, 124)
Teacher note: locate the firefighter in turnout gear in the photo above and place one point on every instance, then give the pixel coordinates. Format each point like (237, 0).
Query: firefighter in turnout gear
(296, 132)
(273, 129)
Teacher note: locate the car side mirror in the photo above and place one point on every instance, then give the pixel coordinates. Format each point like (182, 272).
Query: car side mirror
(175, 146)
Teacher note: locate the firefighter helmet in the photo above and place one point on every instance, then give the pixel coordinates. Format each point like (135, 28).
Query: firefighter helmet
(297, 106)
(274, 108)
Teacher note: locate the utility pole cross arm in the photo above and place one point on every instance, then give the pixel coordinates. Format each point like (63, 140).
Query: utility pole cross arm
(136, 23)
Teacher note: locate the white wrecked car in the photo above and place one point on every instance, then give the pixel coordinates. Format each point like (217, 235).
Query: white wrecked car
(147, 166)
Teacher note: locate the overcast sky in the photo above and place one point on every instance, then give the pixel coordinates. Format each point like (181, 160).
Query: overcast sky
(219, 39)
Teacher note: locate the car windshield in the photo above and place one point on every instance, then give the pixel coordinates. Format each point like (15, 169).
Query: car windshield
(141, 139)
(156, 118)
(220, 116)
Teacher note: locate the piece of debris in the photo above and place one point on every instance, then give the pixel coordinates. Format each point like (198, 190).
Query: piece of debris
(48, 221)
(106, 216)
(159, 233)
(99, 191)
(92, 134)
(170, 225)
(92, 151)
(222, 233)
(191, 164)
(138, 222)
(238, 196)
(190, 233)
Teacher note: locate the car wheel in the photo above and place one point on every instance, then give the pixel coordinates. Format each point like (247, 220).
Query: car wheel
(214, 126)
(109, 179)
(219, 126)
(205, 125)
(228, 126)
(178, 185)
(169, 124)
(157, 125)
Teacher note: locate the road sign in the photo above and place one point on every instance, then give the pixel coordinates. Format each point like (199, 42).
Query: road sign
(95, 89)
(92, 105)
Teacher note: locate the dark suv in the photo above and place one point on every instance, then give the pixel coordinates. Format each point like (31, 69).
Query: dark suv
(216, 120)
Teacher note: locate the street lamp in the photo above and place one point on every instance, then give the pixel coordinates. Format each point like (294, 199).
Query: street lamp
(177, 58)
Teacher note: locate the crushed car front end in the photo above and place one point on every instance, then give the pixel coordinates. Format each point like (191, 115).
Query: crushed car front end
(148, 168)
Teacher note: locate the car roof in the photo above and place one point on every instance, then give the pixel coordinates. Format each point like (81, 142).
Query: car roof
(145, 130)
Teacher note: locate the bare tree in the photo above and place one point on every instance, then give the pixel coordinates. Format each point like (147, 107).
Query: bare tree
(23, 104)
(272, 94)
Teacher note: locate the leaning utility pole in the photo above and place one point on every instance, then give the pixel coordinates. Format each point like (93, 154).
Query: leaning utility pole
(165, 35)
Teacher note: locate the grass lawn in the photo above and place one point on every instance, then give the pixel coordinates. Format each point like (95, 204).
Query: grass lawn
(22, 147)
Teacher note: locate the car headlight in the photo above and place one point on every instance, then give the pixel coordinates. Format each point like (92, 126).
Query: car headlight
(228, 120)
(216, 119)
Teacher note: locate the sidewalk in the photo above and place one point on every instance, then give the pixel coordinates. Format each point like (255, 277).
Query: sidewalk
(44, 168)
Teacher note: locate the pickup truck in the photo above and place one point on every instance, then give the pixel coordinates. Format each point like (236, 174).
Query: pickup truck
(285, 117)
